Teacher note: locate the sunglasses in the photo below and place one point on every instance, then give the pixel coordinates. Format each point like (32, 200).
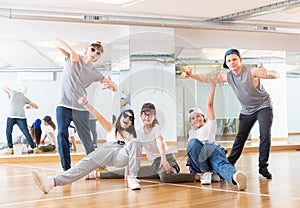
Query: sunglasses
(97, 52)
(125, 115)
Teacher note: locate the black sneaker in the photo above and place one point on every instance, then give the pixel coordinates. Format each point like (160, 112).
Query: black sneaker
(263, 172)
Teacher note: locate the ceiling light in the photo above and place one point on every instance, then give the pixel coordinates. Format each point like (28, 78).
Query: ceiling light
(113, 1)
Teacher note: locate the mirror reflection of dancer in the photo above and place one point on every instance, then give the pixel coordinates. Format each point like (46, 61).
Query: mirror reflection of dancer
(205, 156)
(255, 101)
(119, 151)
(78, 74)
(49, 128)
(16, 115)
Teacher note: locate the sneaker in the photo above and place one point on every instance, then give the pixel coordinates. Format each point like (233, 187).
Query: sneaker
(264, 173)
(215, 177)
(92, 175)
(241, 180)
(9, 151)
(133, 184)
(206, 178)
(43, 182)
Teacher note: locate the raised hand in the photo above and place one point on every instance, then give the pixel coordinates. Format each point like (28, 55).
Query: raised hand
(108, 84)
(186, 73)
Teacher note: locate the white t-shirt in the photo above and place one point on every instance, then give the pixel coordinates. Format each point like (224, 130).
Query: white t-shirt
(206, 133)
(48, 130)
(110, 137)
(149, 141)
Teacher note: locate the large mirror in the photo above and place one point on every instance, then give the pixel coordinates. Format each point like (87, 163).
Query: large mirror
(146, 63)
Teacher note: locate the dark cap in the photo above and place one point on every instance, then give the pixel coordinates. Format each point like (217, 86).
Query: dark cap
(229, 52)
(149, 107)
(47, 118)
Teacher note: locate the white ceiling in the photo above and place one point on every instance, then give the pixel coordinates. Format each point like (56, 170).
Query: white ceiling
(198, 10)
(189, 9)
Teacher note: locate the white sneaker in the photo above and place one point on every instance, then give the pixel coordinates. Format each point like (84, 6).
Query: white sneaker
(215, 177)
(132, 183)
(241, 180)
(43, 182)
(206, 178)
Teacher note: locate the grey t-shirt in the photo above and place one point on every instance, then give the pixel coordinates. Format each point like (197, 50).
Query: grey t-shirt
(16, 104)
(251, 98)
(74, 81)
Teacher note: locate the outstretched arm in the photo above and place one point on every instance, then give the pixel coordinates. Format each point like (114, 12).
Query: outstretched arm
(6, 90)
(210, 101)
(66, 50)
(104, 123)
(202, 78)
(262, 72)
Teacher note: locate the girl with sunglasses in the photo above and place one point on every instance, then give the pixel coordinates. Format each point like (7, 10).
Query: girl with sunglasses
(204, 154)
(119, 151)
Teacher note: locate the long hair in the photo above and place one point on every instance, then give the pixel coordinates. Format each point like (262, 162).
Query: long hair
(36, 134)
(130, 129)
(52, 124)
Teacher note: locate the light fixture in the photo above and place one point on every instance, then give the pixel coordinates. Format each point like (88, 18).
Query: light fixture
(114, 1)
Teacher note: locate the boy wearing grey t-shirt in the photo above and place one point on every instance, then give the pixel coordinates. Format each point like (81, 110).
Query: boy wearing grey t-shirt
(78, 74)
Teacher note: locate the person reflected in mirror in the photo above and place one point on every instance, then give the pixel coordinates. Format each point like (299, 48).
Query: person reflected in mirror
(206, 158)
(255, 101)
(72, 140)
(118, 151)
(124, 104)
(78, 74)
(93, 127)
(48, 129)
(36, 131)
(16, 115)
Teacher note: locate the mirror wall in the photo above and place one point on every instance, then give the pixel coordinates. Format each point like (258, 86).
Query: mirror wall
(146, 63)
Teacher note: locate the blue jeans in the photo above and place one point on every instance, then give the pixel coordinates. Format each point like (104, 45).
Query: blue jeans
(207, 157)
(246, 122)
(64, 117)
(22, 124)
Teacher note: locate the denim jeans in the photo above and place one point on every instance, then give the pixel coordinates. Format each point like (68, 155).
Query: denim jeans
(246, 122)
(22, 124)
(64, 117)
(207, 157)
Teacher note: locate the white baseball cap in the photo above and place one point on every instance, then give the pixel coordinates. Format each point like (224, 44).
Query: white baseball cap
(191, 111)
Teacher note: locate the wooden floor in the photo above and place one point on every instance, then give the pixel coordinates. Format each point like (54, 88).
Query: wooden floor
(19, 190)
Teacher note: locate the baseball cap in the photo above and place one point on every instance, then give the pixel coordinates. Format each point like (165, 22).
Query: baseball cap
(47, 118)
(229, 52)
(191, 111)
(149, 107)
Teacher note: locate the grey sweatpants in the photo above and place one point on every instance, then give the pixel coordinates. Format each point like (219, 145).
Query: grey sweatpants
(109, 154)
(153, 171)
